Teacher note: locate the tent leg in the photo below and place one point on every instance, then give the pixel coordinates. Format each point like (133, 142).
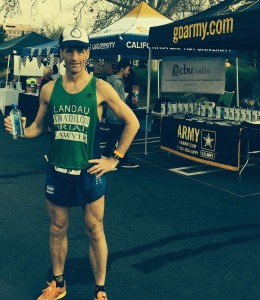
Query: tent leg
(7, 71)
(158, 79)
(148, 100)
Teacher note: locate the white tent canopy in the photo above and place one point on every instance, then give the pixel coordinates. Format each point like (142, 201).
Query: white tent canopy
(129, 35)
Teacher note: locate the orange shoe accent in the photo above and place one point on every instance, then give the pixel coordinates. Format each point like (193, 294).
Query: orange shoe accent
(101, 296)
(52, 292)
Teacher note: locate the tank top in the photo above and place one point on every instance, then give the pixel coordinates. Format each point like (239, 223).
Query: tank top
(74, 126)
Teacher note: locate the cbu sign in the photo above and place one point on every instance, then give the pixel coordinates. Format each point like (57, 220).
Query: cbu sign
(193, 75)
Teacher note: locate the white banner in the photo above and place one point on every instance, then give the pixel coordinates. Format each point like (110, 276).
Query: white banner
(31, 68)
(193, 75)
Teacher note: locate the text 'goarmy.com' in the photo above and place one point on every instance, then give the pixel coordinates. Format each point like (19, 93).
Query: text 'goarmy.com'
(203, 29)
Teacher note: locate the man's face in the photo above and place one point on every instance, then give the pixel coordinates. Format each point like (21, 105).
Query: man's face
(74, 58)
(126, 71)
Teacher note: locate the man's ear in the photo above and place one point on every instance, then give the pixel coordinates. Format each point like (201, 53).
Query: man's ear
(88, 53)
(61, 52)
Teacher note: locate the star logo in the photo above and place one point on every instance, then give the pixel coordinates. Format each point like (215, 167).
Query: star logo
(208, 140)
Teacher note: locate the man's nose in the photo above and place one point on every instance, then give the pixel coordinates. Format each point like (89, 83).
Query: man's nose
(74, 54)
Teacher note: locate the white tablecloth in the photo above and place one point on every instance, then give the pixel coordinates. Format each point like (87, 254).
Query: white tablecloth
(7, 98)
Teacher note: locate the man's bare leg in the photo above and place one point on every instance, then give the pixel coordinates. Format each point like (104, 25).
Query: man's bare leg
(59, 217)
(98, 252)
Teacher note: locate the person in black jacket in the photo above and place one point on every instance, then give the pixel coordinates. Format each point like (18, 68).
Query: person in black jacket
(116, 124)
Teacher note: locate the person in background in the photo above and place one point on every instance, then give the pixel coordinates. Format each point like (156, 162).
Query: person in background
(31, 85)
(227, 64)
(75, 168)
(55, 72)
(11, 79)
(30, 81)
(129, 82)
(47, 76)
(2, 83)
(23, 82)
(90, 68)
(116, 124)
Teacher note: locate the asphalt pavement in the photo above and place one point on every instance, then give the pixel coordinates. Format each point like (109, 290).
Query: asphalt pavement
(170, 235)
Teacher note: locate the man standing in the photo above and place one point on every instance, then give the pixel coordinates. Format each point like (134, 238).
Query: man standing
(115, 123)
(75, 168)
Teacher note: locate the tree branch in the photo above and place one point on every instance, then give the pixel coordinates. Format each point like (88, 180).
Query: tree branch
(102, 12)
(10, 8)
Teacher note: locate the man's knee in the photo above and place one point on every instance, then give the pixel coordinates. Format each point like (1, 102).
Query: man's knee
(95, 232)
(58, 229)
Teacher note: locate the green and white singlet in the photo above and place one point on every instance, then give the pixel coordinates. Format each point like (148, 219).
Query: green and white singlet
(74, 126)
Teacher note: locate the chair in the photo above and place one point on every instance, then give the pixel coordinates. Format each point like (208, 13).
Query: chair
(250, 134)
(225, 99)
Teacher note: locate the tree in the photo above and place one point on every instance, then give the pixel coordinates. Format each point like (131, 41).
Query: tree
(50, 30)
(103, 12)
(111, 10)
(3, 34)
(10, 8)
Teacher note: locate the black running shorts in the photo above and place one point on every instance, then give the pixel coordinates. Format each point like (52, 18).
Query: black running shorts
(73, 190)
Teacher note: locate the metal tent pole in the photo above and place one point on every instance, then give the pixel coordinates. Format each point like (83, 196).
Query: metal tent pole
(148, 100)
(158, 79)
(7, 71)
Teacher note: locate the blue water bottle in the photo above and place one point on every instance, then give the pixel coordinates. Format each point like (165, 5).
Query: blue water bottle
(16, 118)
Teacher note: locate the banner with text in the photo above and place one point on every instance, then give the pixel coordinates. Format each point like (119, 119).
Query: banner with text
(193, 75)
(213, 144)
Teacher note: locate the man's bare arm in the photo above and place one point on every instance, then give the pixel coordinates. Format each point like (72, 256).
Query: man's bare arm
(40, 123)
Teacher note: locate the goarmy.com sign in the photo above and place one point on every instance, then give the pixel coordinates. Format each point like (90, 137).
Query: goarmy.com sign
(203, 29)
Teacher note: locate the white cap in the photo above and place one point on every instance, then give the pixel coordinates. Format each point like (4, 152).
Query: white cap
(74, 36)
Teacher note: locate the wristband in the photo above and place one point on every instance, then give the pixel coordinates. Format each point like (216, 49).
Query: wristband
(118, 154)
(116, 157)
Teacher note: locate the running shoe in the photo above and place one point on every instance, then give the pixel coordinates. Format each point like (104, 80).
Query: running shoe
(53, 293)
(101, 296)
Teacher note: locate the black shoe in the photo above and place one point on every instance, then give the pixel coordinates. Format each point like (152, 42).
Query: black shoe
(129, 164)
